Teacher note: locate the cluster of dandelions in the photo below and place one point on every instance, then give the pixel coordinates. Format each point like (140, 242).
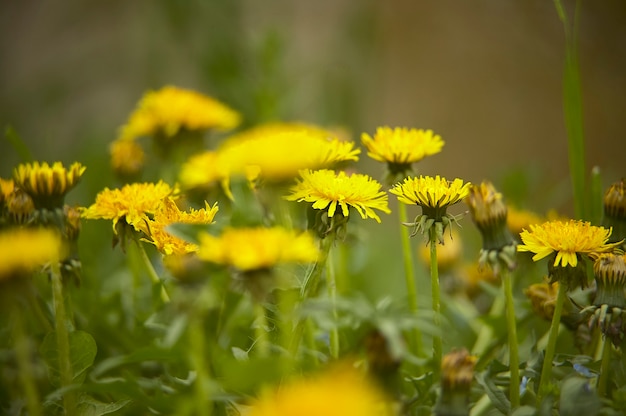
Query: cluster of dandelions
(239, 191)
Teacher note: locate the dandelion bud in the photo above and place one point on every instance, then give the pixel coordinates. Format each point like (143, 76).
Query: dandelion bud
(457, 373)
(615, 211)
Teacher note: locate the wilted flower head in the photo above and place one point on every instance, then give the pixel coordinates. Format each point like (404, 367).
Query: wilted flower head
(170, 110)
(457, 374)
(339, 392)
(400, 147)
(47, 184)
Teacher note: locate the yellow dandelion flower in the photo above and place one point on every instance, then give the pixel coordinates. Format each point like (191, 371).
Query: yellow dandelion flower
(167, 214)
(202, 171)
(170, 110)
(249, 249)
(568, 239)
(127, 157)
(279, 150)
(400, 145)
(47, 184)
(338, 392)
(518, 219)
(24, 250)
(328, 191)
(133, 203)
(429, 192)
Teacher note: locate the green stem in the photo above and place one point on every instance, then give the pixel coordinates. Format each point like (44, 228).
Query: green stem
(156, 280)
(202, 384)
(512, 330)
(605, 368)
(409, 277)
(546, 370)
(485, 335)
(63, 342)
(25, 373)
(436, 294)
(262, 340)
(331, 286)
(309, 290)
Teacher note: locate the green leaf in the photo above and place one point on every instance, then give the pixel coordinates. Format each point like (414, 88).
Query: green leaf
(18, 144)
(89, 406)
(578, 398)
(525, 411)
(497, 396)
(83, 351)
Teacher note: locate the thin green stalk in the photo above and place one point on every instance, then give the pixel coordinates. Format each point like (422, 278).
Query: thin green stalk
(512, 330)
(331, 286)
(485, 335)
(409, 277)
(25, 373)
(546, 371)
(572, 107)
(436, 294)
(156, 280)
(63, 341)
(202, 384)
(309, 290)
(605, 368)
(262, 340)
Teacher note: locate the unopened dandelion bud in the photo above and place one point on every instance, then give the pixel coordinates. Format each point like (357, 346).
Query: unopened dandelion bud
(610, 302)
(615, 211)
(489, 213)
(457, 374)
(20, 206)
(47, 184)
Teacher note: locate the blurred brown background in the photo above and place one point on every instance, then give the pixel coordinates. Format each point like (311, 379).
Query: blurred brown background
(485, 74)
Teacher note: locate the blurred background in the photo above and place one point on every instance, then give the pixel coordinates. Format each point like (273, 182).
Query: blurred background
(486, 75)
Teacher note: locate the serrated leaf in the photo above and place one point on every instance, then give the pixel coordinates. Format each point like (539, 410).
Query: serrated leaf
(83, 351)
(497, 396)
(525, 411)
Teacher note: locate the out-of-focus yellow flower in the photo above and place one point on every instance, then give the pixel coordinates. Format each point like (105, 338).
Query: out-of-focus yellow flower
(167, 214)
(518, 219)
(340, 392)
(248, 249)
(542, 298)
(328, 190)
(448, 255)
(47, 184)
(127, 157)
(6, 188)
(568, 239)
(279, 150)
(170, 110)
(24, 250)
(400, 147)
(132, 203)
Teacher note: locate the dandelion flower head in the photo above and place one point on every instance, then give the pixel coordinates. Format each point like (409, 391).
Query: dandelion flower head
(167, 214)
(169, 110)
(133, 203)
(127, 157)
(430, 192)
(567, 239)
(44, 182)
(248, 249)
(342, 392)
(401, 145)
(23, 250)
(328, 190)
(279, 150)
